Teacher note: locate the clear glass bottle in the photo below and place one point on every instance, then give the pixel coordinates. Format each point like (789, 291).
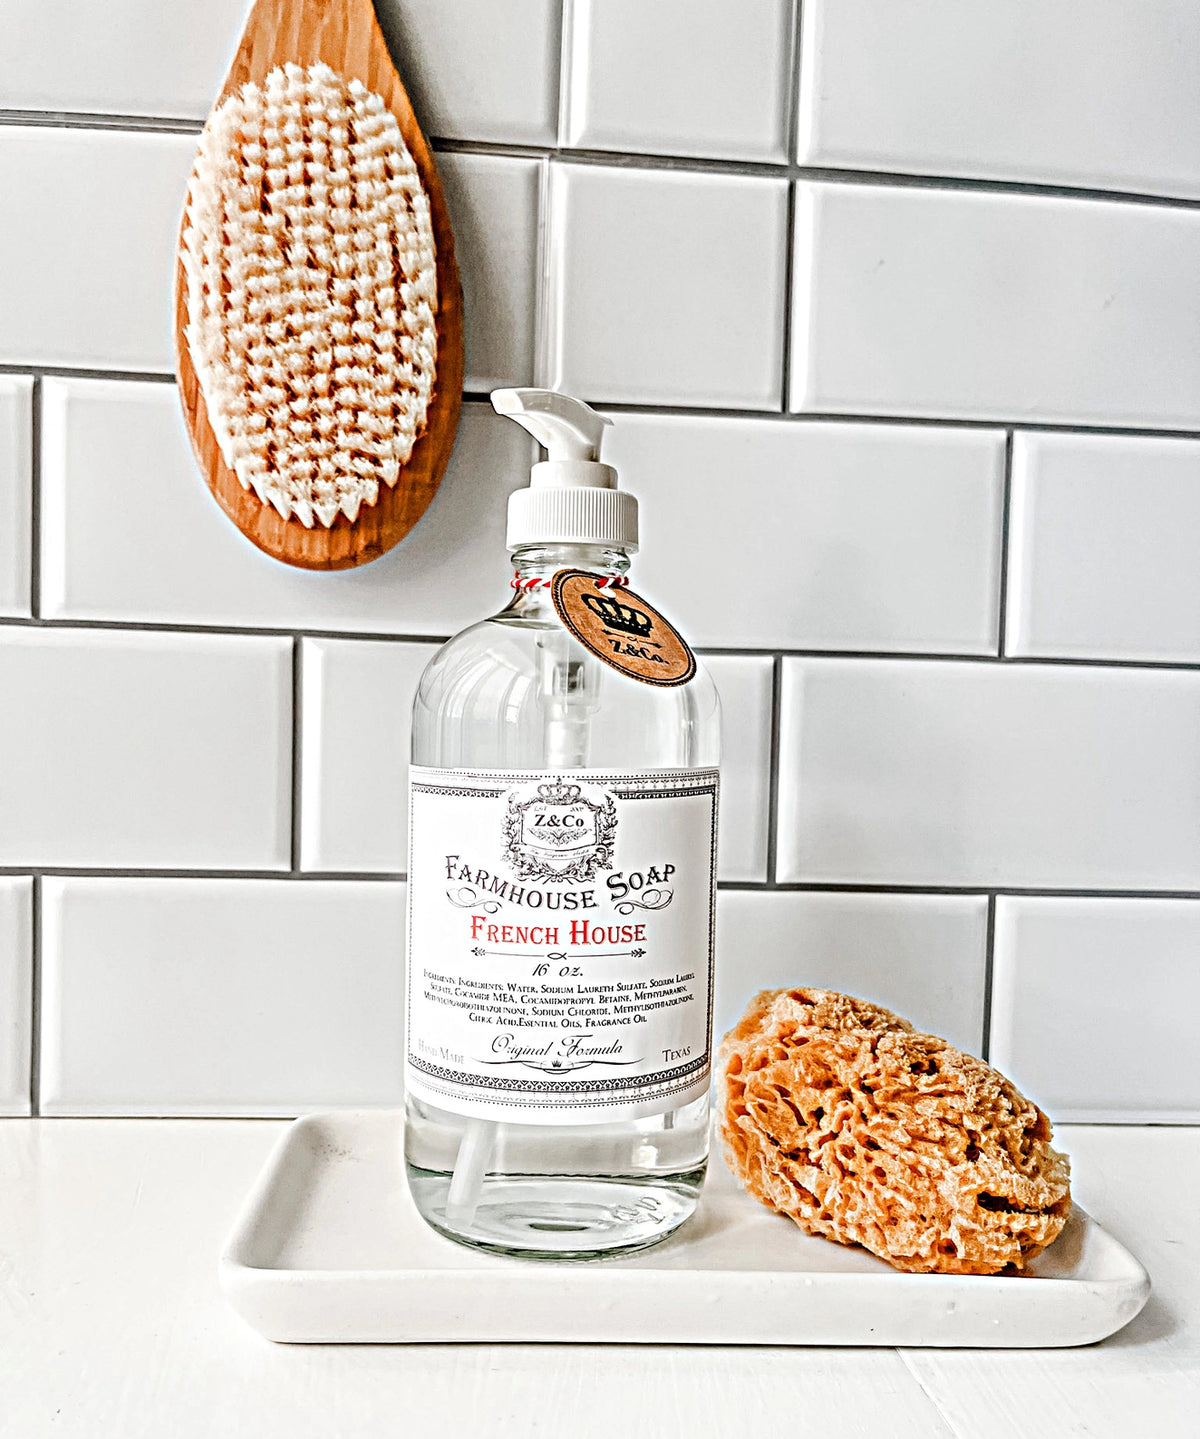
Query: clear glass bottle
(518, 692)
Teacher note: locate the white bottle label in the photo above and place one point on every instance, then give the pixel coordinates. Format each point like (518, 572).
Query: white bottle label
(560, 942)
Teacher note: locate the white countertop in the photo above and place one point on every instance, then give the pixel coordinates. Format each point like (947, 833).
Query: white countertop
(112, 1326)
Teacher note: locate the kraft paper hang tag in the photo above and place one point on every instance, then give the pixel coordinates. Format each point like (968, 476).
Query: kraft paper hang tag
(622, 629)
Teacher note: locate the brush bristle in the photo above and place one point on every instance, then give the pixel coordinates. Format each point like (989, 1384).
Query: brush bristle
(311, 291)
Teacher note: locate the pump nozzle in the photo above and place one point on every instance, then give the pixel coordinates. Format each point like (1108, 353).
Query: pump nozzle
(572, 496)
(565, 427)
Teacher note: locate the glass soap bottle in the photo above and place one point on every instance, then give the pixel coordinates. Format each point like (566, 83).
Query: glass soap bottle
(562, 867)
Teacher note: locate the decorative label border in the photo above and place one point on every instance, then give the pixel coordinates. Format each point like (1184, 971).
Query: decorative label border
(546, 1086)
(690, 783)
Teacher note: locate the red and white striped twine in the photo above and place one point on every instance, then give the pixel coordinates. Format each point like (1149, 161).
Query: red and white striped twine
(612, 582)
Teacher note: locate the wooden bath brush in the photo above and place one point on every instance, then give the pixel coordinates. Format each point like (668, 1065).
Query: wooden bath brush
(318, 311)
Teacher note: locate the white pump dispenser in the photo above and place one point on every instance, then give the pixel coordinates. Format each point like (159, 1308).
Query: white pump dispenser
(572, 496)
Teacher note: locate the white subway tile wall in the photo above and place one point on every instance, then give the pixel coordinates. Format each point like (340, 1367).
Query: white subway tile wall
(678, 77)
(919, 301)
(1101, 96)
(16, 994)
(922, 955)
(138, 57)
(230, 996)
(16, 492)
(1093, 1006)
(666, 286)
(745, 684)
(1104, 561)
(87, 247)
(483, 70)
(129, 531)
(144, 749)
(927, 772)
(356, 699)
(833, 536)
(917, 454)
(494, 202)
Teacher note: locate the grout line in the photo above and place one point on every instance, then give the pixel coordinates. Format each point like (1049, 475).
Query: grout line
(542, 259)
(791, 170)
(35, 1022)
(244, 631)
(792, 129)
(985, 1042)
(381, 876)
(789, 264)
(915, 180)
(826, 886)
(773, 780)
(622, 159)
(853, 417)
(91, 1117)
(907, 656)
(35, 501)
(791, 121)
(1032, 662)
(703, 412)
(1002, 610)
(94, 120)
(1132, 1123)
(502, 149)
(297, 721)
(78, 871)
(79, 372)
(976, 185)
(566, 46)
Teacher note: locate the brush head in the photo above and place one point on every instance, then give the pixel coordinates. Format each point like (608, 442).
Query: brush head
(311, 291)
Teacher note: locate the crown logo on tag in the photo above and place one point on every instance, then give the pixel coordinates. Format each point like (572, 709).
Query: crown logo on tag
(621, 628)
(618, 616)
(559, 793)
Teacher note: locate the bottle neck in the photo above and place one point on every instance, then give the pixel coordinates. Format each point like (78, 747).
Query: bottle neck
(542, 562)
(536, 566)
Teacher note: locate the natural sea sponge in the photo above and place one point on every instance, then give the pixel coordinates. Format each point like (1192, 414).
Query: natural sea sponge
(836, 1113)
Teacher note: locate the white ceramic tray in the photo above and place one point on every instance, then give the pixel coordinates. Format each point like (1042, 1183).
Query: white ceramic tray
(329, 1249)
